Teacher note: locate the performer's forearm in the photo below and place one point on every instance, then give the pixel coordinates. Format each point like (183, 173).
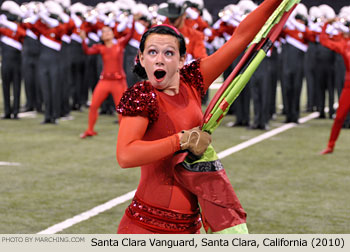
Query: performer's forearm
(239, 41)
(251, 25)
(133, 151)
(140, 152)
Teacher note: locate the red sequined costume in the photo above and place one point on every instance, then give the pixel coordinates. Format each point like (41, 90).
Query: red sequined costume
(341, 46)
(112, 79)
(148, 138)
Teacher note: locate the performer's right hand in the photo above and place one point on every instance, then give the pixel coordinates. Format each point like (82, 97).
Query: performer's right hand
(194, 140)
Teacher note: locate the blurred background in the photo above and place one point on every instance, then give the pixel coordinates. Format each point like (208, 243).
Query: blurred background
(215, 6)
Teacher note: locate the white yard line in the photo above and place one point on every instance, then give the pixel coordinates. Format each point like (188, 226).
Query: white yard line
(121, 199)
(88, 214)
(9, 164)
(265, 136)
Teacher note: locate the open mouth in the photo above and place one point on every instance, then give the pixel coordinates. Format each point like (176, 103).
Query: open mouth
(159, 74)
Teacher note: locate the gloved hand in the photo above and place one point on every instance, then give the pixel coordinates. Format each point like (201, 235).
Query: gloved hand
(64, 17)
(192, 13)
(195, 140)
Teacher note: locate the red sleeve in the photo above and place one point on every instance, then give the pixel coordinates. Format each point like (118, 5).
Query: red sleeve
(40, 27)
(229, 29)
(132, 151)
(199, 51)
(99, 25)
(310, 36)
(117, 34)
(137, 36)
(95, 49)
(26, 25)
(69, 27)
(139, 109)
(336, 46)
(59, 30)
(95, 27)
(6, 32)
(85, 26)
(125, 40)
(201, 24)
(20, 34)
(239, 41)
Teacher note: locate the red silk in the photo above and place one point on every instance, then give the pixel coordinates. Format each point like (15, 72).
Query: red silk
(219, 203)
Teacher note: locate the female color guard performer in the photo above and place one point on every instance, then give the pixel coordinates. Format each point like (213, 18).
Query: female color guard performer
(341, 46)
(112, 79)
(161, 116)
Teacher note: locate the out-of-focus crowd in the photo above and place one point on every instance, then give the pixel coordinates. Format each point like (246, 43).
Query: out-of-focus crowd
(41, 45)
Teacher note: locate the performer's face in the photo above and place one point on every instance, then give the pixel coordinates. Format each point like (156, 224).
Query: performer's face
(107, 33)
(162, 61)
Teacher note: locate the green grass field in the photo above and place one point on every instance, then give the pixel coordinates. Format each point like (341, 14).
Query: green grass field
(283, 183)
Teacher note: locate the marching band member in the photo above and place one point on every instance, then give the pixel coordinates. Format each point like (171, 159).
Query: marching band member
(11, 36)
(51, 32)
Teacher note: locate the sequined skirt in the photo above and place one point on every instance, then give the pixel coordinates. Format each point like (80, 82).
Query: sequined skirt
(161, 220)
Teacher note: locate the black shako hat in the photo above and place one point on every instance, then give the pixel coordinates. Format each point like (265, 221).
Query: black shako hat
(172, 10)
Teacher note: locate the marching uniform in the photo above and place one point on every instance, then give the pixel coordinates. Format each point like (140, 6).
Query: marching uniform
(241, 106)
(11, 47)
(261, 86)
(130, 52)
(273, 75)
(324, 59)
(194, 43)
(49, 72)
(80, 89)
(292, 79)
(66, 75)
(195, 21)
(310, 63)
(30, 57)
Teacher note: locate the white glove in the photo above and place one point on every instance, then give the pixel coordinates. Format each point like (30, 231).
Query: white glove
(51, 22)
(65, 18)
(208, 32)
(140, 28)
(191, 13)
(8, 24)
(299, 26)
(92, 19)
(2, 17)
